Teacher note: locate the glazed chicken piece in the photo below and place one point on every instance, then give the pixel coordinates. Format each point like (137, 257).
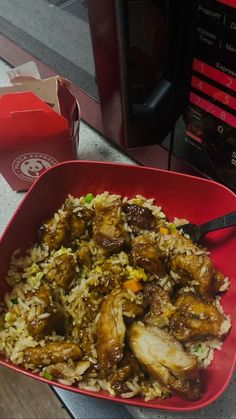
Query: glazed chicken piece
(84, 256)
(88, 214)
(54, 237)
(132, 309)
(191, 263)
(145, 254)
(196, 319)
(111, 332)
(70, 227)
(52, 353)
(160, 306)
(194, 268)
(108, 229)
(165, 359)
(127, 369)
(40, 326)
(219, 282)
(44, 293)
(78, 226)
(63, 271)
(139, 218)
(78, 221)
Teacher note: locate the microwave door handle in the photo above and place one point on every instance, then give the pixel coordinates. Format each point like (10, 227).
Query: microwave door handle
(161, 93)
(164, 91)
(155, 100)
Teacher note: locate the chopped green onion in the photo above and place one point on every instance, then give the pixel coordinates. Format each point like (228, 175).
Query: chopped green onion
(83, 275)
(47, 375)
(14, 301)
(88, 198)
(198, 349)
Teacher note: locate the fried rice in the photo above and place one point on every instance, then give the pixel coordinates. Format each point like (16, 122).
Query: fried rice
(82, 299)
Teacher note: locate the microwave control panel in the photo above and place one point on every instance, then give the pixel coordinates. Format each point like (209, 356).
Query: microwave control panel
(211, 113)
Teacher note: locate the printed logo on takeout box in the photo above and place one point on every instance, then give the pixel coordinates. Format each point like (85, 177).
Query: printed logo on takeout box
(29, 166)
(39, 124)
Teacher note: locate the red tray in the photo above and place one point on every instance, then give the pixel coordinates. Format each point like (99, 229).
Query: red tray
(180, 195)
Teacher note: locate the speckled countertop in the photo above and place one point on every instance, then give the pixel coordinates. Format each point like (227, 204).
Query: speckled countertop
(93, 147)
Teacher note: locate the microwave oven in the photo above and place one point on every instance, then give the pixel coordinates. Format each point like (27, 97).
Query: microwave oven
(150, 75)
(169, 67)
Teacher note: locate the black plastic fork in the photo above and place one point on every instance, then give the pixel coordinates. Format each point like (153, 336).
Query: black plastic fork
(196, 231)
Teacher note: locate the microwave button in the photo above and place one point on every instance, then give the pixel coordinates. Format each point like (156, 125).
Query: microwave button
(213, 11)
(207, 36)
(230, 21)
(229, 47)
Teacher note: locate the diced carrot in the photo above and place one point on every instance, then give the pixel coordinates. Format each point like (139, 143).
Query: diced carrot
(133, 285)
(164, 230)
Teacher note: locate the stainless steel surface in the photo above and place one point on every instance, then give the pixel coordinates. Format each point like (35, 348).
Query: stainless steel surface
(223, 408)
(91, 408)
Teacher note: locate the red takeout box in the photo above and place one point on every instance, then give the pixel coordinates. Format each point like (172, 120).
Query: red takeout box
(35, 134)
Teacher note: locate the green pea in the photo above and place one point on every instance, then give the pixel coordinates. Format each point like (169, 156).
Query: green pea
(88, 198)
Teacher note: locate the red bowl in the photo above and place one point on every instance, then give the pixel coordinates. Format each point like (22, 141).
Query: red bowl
(196, 199)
